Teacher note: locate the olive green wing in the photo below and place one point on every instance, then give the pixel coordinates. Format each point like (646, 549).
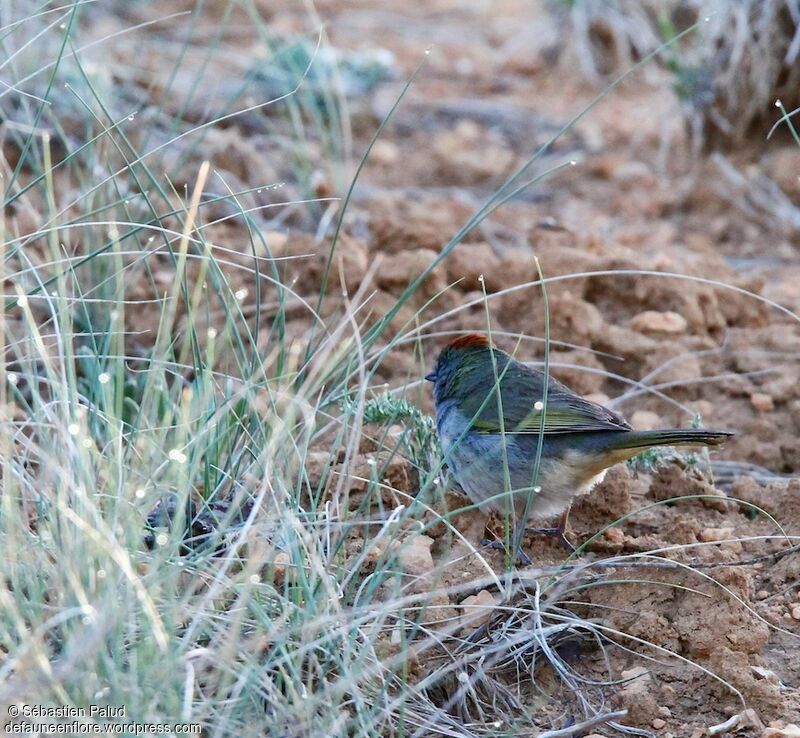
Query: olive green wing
(522, 409)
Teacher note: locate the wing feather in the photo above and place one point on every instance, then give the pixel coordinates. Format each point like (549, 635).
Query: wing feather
(521, 399)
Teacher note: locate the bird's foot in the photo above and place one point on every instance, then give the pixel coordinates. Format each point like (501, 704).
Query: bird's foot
(558, 532)
(522, 557)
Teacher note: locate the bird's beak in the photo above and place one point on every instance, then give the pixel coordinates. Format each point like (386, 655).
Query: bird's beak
(431, 377)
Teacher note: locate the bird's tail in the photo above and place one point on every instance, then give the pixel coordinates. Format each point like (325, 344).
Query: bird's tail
(672, 437)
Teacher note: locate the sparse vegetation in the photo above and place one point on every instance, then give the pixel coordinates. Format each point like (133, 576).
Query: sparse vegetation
(728, 73)
(223, 500)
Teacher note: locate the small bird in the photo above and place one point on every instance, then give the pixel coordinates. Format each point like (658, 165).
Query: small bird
(490, 414)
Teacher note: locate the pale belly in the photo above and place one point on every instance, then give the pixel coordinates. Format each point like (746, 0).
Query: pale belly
(499, 475)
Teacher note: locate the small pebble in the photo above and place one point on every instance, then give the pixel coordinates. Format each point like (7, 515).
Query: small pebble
(280, 564)
(478, 608)
(702, 407)
(385, 153)
(767, 674)
(637, 680)
(762, 402)
(652, 321)
(709, 535)
(663, 262)
(790, 730)
(795, 611)
(762, 594)
(415, 557)
(658, 723)
(645, 420)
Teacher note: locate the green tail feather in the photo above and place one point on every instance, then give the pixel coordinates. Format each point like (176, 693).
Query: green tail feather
(672, 437)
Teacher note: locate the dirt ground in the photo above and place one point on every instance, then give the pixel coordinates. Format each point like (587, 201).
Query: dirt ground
(493, 89)
(489, 94)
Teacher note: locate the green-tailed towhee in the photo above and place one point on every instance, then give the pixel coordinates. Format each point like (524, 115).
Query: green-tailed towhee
(489, 416)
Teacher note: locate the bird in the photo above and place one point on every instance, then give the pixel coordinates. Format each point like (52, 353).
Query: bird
(492, 416)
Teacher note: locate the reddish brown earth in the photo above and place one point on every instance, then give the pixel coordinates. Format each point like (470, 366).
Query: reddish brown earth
(494, 88)
(638, 199)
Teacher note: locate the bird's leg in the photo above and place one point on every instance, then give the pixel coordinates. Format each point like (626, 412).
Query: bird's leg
(560, 531)
(497, 541)
(522, 558)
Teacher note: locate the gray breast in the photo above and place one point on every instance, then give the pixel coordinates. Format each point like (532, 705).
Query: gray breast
(487, 469)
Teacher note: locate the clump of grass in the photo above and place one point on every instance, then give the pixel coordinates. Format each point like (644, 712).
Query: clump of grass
(750, 50)
(608, 37)
(650, 459)
(151, 386)
(419, 439)
(728, 72)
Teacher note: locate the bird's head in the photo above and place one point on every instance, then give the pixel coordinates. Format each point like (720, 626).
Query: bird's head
(459, 358)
